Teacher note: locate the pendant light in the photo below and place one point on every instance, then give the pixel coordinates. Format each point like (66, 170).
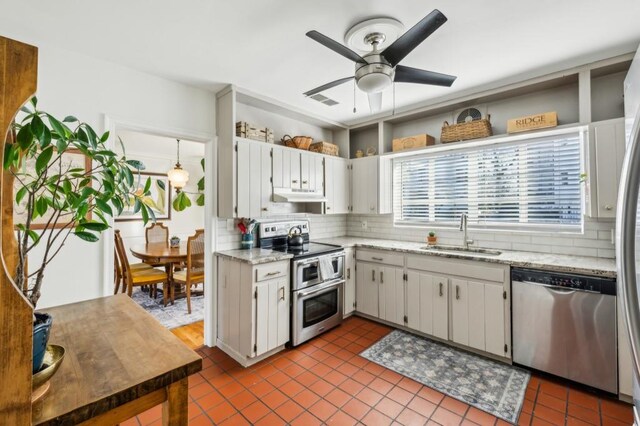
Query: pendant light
(177, 176)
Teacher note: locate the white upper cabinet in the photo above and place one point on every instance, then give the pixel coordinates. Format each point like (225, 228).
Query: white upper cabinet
(371, 185)
(311, 172)
(337, 185)
(254, 177)
(605, 153)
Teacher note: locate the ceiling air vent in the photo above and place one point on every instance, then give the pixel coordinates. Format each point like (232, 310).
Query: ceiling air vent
(323, 99)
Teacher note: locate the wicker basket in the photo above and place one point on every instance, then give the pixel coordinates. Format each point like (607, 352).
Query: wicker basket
(324, 148)
(464, 131)
(299, 142)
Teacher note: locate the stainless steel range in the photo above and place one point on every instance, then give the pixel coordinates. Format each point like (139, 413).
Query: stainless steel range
(317, 278)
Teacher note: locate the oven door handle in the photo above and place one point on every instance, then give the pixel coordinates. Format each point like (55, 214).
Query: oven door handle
(301, 263)
(321, 288)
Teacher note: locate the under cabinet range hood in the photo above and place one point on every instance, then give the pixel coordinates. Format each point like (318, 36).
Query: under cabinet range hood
(288, 195)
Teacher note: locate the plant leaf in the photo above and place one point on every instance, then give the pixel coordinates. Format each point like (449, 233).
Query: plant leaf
(87, 236)
(62, 130)
(21, 193)
(24, 138)
(161, 184)
(181, 202)
(201, 184)
(200, 200)
(95, 226)
(43, 159)
(70, 119)
(147, 186)
(37, 127)
(104, 207)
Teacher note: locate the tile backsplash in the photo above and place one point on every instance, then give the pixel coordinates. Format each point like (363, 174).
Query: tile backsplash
(596, 240)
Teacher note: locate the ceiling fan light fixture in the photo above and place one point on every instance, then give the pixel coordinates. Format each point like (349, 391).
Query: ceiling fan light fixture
(374, 82)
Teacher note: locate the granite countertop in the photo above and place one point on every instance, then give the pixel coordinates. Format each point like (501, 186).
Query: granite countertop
(255, 256)
(585, 265)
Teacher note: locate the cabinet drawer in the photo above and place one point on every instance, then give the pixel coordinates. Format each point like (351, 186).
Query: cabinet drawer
(460, 268)
(381, 256)
(269, 271)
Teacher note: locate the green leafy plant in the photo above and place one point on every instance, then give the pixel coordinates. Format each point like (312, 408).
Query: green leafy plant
(432, 233)
(182, 201)
(68, 200)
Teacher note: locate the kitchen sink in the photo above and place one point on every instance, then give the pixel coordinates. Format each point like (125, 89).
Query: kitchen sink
(462, 250)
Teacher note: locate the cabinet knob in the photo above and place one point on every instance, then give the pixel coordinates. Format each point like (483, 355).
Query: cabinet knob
(348, 273)
(305, 182)
(441, 293)
(457, 292)
(373, 276)
(608, 207)
(328, 208)
(372, 208)
(381, 277)
(264, 209)
(294, 181)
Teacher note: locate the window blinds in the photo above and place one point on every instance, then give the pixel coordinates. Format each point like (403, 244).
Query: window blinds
(528, 182)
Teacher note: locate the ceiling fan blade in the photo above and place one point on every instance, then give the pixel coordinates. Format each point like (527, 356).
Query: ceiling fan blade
(335, 46)
(415, 75)
(327, 86)
(412, 38)
(375, 101)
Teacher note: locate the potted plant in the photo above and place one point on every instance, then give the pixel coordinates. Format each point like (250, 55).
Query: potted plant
(432, 240)
(56, 199)
(174, 241)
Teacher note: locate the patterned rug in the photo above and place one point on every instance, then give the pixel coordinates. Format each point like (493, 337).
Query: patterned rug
(489, 385)
(171, 316)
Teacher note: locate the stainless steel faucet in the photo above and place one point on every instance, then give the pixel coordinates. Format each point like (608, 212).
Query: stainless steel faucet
(463, 227)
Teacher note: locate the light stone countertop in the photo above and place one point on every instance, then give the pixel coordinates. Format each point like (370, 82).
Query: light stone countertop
(255, 256)
(584, 265)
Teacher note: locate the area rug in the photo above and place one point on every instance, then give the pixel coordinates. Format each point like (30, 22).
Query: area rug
(483, 383)
(171, 316)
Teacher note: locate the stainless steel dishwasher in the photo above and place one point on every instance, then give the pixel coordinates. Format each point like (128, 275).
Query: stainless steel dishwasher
(565, 325)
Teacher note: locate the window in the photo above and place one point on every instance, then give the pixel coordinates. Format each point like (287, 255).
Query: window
(524, 183)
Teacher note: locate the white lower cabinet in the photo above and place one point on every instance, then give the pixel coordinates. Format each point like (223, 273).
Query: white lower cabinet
(349, 303)
(253, 308)
(428, 304)
(391, 294)
(366, 289)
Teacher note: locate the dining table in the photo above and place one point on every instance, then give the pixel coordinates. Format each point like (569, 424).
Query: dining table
(165, 254)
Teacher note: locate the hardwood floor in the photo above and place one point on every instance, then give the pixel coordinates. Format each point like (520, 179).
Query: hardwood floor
(192, 334)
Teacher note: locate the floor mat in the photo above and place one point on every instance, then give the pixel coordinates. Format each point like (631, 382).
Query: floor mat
(171, 316)
(489, 385)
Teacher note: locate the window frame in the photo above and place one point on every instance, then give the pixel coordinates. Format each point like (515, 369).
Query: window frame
(472, 146)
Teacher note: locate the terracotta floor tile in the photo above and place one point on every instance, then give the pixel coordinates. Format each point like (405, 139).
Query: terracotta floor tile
(549, 414)
(335, 378)
(391, 376)
(423, 406)
(454, 405)
(369, 397)
(210, 400)
(347, 369)
(307, 363)
(553, 389)
(231, 389)
(537, 421)
(249, 379)
(270, 419)
(617, 410)
(431, 395)
(583, 399)
(306, 419)
(289, 410)
(150, 415)
(389, 407)
(306, 398)
(409, 417)
(221, 412)
(194, 410)
(530, 394)
(220, 380)
(480, 417)
(307, 379)
(363, 377)
(196, 379)
(380, 385)
(358, 361)
(409, 385)
(610, 421)
(340, 418)
(527, 406)
(572, 421)
(552, 402)
(261, 388)
(376, 418)
(322, 410)
(200, 390)
(274, 399)
(524, 419)
(321, 387)
(235, 420)
(242, 399)
(278, 379)
(201, 420)
(446, 417)
(291, 388)
(584, 414)
(356, 408)
(255, 411)
(400, 395)
(266, 371)
(293, 370)
(351, 386)
(333, 362)
(338, 397)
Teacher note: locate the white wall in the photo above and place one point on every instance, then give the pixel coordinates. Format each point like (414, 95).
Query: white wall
(88, 88)
(159, 155)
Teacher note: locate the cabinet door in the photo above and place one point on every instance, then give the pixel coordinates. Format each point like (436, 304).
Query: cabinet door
(367, 289)
(350, 282)
(281, 168)
(249, 179)
(306, 170)
(391, 297)
(272, 314)
(609, 154)
(427, 304)
(460, 312)
(372, 187)
(476, 305)
(266, 174)
(342, 186)
(494, 324)
(317, 180)
(295, 168)
(359, 187)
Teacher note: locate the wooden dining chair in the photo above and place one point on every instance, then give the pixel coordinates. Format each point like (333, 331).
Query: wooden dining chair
(141, 276)
(194, 272)
(157, 233)
(118, 276)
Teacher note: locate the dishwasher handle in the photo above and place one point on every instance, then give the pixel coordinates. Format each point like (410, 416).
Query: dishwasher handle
(558, 289)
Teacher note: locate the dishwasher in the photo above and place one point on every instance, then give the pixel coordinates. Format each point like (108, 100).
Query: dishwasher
(565, 325)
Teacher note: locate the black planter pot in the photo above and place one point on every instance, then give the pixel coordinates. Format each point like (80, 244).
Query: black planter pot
(41, 329)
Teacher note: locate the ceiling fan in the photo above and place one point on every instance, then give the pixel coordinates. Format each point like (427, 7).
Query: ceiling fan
(378, 69)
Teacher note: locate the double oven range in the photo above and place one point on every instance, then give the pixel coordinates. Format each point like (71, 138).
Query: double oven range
(317, 278)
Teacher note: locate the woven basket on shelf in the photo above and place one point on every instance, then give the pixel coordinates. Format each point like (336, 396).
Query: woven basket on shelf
(464, 131)
(324, 148)
(300, 142)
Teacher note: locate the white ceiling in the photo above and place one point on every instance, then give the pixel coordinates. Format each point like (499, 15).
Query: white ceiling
(261, 45)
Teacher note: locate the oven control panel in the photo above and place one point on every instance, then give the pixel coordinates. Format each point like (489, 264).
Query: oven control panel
(279, 229)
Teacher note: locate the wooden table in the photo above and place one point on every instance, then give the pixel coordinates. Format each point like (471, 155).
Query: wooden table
(119, 362)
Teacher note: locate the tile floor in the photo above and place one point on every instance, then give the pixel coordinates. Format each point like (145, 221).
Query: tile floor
(325, 381)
